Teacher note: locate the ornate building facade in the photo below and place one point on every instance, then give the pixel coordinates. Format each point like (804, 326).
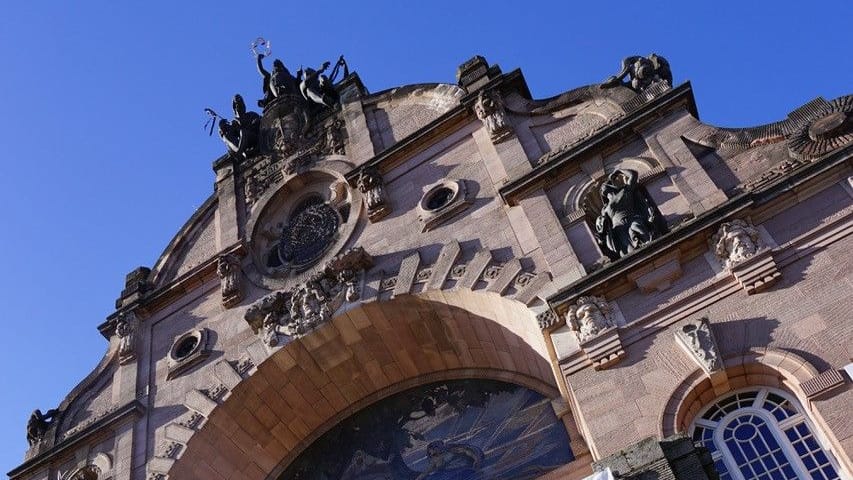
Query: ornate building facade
(464, 282)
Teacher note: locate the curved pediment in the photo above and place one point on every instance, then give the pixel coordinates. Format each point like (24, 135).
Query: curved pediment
(398, 112)
(194, 243)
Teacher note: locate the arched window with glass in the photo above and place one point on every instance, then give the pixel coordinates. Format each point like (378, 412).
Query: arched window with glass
(762, 434)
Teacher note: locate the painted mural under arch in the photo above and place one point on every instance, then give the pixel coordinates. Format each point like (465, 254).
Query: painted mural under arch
(458, 429)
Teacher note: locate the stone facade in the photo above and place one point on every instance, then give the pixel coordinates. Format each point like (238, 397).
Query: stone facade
(435, 233)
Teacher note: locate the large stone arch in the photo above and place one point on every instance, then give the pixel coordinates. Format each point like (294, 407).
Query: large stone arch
(363, 355)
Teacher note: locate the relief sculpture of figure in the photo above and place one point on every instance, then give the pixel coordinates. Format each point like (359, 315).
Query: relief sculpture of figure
(735, 242)
(644, 71)
(629, 219)
(448, 461)
(38, 425)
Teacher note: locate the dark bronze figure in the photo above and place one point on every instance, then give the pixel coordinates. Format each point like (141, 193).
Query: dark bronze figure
(241, 135)
(316, 87)
(266, 79)
(38, 425)
(629, 218)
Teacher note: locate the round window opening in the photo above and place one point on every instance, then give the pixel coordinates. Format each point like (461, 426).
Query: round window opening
(310, 230)
(440, 197)
(185, 347)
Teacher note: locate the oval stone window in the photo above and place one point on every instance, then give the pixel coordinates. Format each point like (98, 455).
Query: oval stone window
(185, 346)
(458, 429)
(440, 197)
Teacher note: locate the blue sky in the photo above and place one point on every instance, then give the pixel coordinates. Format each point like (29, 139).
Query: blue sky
(105, 157)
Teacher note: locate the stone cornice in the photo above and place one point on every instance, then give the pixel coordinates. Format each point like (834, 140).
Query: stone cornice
(437, 129)
(562, 298)
(175, 289)
(546, 173)
(131, 410)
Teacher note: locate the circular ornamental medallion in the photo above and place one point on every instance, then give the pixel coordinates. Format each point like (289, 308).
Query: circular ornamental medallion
(308, 234)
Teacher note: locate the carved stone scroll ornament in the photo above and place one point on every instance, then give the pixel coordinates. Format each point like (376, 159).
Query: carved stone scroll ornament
(38, 425)
(370, 184)
(589, 316)
(126, 328)
(300, 309)
(698, 339)
(489, 108)
(231, 282)
(644, 72)
(735, 242)
(629, 217)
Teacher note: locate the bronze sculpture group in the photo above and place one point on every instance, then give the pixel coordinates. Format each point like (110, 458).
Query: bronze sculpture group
(309, 92)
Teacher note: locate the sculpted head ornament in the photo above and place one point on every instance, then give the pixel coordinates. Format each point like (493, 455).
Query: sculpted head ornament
(735, 242)
(589, 316)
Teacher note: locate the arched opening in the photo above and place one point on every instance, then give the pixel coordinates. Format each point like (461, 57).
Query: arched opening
(762, 433)
(361, 357)
(460, 429)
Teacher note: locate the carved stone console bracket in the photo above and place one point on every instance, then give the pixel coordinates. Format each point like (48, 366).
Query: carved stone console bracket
(490, 109)
(601, 352)
(757, 273)
(605, 349)
(127, 326)
(591, 320)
